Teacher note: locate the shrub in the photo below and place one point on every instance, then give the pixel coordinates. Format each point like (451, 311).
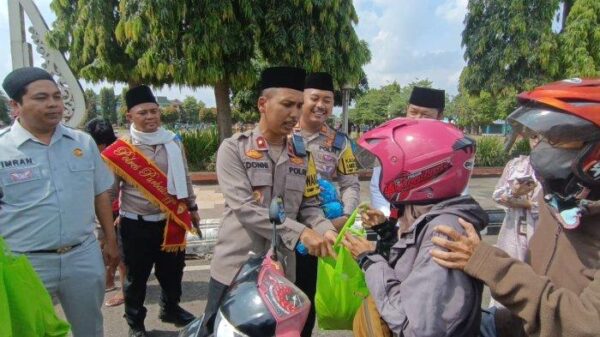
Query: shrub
(201, 147)
(490, 151)
(520, 147)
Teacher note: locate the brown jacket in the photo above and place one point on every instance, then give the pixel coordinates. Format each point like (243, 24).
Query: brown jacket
(249, 178)
(558, 293)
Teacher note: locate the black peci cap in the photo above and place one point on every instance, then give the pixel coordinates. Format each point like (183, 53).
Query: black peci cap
(428, 98)
(282, 77)
(139, 95)
(17, 79)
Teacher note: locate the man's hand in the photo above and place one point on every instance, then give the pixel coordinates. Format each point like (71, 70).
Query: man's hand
(316, 244)
(338, 223)
(357, 245)
(371, 217)
(460, 248)
(330, 236)
(110, 253)
(196, 223)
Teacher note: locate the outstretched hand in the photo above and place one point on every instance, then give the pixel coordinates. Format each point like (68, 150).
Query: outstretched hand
(371, 217)
(460, 247)
(357, 245)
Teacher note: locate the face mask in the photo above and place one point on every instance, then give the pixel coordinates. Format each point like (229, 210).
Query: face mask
(550, 163)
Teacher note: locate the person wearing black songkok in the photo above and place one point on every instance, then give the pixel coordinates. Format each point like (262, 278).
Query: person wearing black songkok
(255, 167)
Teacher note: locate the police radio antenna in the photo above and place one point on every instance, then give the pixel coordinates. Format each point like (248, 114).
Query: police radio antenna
(277, 217)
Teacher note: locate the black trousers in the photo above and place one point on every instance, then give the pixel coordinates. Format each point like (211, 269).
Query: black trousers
(306, 280)
(141, 251)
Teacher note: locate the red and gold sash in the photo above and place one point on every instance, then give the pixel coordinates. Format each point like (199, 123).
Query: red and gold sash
(131, 165)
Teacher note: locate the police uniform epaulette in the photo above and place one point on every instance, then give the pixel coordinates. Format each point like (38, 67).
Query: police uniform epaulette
(340, 140)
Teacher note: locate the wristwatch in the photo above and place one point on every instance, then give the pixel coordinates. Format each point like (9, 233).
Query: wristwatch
(193, 208)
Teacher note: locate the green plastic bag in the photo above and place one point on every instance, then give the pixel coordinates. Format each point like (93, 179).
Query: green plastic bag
(341, 286)
(25, 306)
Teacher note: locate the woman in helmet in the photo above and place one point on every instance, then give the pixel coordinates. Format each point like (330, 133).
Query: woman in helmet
(557, 292)
(426, 164)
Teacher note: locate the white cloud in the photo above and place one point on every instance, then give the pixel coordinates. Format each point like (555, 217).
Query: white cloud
(409, 42)
(452, 11)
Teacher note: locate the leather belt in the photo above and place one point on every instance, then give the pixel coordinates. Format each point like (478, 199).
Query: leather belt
(151, 217)
(60, 250)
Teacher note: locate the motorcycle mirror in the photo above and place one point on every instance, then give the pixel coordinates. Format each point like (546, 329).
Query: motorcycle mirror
(277, 211)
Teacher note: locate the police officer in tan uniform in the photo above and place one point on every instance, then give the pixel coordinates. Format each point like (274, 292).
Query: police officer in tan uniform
(335, 161)
(253, 168)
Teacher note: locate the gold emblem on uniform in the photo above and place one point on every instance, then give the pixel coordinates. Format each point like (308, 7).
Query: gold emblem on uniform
(297, 160)
(181, 208)
(257, 196)
(78, 152)
(254, 154)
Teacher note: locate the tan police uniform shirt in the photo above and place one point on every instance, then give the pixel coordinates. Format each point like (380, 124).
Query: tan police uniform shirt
(335, 164)
(249, 179)
(131, 199)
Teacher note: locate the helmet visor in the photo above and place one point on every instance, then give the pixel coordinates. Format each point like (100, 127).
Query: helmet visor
(554, 126)
(366, 159)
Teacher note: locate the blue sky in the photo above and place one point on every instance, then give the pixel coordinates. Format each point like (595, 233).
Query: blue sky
(409, 40)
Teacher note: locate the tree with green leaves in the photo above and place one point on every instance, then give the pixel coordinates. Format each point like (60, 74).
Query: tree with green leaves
(152, 42)
(108, 104)
(91, 100)
(208, 115)
(580, 40)
(4, 110)
(378, 105)
(200, 43)
(169, 115)
(314, 35)
(122, 111)
(191, 108)
(508, 43)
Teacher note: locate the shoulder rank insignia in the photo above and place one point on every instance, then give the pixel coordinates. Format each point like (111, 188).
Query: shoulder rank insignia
(254, 154)
(261, 143)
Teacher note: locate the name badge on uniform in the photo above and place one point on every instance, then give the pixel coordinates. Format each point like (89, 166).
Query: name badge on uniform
(23, 175)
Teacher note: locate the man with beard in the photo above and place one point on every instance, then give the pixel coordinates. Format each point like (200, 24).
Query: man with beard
(255, 167)
(332, 152)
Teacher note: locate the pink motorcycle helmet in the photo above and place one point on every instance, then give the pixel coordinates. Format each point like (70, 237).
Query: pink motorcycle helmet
(422, 160)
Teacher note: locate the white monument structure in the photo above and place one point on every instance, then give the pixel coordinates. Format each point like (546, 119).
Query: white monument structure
(55, 63)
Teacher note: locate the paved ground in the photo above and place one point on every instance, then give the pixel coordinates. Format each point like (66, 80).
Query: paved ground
(196, 276)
